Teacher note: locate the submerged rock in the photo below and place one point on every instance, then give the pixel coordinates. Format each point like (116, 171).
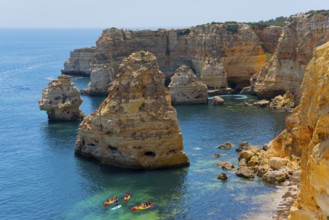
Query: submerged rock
(222, 176)
(218, 100)
(262, 103)
(61, 99)
(135, 127)
(185, 89)
(225, 165)
(226, 146)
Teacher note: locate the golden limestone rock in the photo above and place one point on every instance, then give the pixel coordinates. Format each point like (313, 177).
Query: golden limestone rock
(221, 54)
(135, 127)
(313, 138)
(61, 99)
(186, 89)
(79, 62)
(301, 35)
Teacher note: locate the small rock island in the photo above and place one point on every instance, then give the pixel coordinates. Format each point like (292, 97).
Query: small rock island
(185, 89)
(61, 99)
(135, 127)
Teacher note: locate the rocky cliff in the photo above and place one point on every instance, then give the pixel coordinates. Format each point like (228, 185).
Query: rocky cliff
(313, 138)
(307, 135)
(184, 87)
(136, 126)
(79, 62)
(285, 71)
(61, 99)
(235, 48)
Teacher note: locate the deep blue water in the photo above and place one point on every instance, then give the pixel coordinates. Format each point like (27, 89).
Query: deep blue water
(41, 178)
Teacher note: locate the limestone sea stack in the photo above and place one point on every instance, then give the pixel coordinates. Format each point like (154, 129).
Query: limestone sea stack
(213, 75)
(101, 77)
(61, 99)
(79, 62)
(135, 127)
(185, 89)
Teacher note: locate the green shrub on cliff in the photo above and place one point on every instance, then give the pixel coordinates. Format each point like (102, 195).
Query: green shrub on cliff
(279, 21)
(232, 27)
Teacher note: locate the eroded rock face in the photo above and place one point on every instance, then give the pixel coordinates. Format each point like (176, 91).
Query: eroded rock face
(79, 62)
(285, 102)
(184, 87)
(136, 126)
(213, 75)
(231, 53)
(312, 133)
(101, 77)
(61, 99)
(269, 36)
(285, 71)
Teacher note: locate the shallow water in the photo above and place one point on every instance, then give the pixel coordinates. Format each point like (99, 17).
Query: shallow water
(41, 178)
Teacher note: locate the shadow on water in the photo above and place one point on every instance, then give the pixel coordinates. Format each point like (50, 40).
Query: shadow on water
(59, 133)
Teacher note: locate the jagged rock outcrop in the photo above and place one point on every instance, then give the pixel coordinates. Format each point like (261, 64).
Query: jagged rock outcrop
(285, 71)
(285, 102)
(184, 87)
(61, 99)
(313, 138)
(234, 50)
(255, 161)
(135, 126)
(79, 62)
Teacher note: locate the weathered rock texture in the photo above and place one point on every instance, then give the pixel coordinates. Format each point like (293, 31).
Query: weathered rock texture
(79, 62)
(285, 102)
(61, 99)
(101, 77)
(229, 53)
(285, 71)
(269, 36)
(184, 87)
(213, 75)
(136, 126)
(313, 138)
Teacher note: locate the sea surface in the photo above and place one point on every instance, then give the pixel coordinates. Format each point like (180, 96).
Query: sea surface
(41, 178)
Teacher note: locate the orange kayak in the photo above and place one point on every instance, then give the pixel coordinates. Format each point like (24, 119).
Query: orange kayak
(140, 207)
(109, 202)
(126, 198)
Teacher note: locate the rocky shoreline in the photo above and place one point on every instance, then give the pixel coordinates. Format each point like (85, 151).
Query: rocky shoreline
(289, 75)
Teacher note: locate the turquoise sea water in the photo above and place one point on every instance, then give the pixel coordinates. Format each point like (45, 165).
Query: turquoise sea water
(41, 178)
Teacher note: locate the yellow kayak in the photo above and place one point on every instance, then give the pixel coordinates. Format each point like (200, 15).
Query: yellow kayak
(142, 207)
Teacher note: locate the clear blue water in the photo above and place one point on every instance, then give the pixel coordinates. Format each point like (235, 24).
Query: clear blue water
(41, 178)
